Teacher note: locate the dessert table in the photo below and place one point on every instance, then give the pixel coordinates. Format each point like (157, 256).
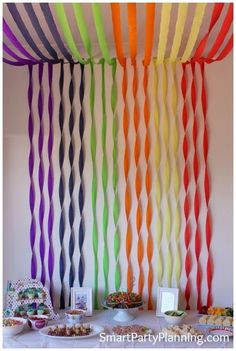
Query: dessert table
(32, 339)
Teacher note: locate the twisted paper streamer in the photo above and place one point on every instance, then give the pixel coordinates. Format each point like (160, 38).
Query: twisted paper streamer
(41, 174)
(50, 180)
(164, 29)
(148, 182)
(53, 29)
(104, 183)
(166, 177)
(81, 24)
(179, 28)
(81, 186)
(115, 10)
(65, 28)
(35, 22)
(15, 56)
(31, 171)
(175, 174)
(196, 195)
(157, 153)
(23, 29)
(93, 144)
(116, 203)
(187, 231)
(208, 230)
(71, 180)
(149, 33)
(62, 225)
(196, 24)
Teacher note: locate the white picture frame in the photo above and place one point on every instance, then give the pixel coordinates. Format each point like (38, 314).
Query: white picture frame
(81, 298)
(167, 299)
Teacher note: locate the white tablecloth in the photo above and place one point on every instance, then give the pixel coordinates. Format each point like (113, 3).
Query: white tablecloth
(32, 339)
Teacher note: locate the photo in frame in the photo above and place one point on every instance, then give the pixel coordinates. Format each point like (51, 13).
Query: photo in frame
(167, 300)
(81, 298)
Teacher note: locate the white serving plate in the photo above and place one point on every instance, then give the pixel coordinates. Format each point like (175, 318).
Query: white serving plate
(96, 329)
(221, 331)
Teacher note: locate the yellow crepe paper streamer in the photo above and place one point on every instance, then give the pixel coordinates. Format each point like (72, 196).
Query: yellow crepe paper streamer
(166, 176)
(179, 28)
(157, 155)
(164, 29)
(197, 21)
(175, 175)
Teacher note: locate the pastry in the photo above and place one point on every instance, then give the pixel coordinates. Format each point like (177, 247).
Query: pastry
(211, 320)
(219, 321)
(123, 299)
(203, 319)
(228, 321)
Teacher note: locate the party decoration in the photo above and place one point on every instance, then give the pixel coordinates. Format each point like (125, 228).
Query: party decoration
(41, 174)
(164, 28)
(179, 28)
(81, 170)
(157, 153)
(115, 8)
(208, 230)
(116, 202)
(50, 180)
(93, 146)
(80, 21)
(71, 179)
(104, 184)
(31, 170)
(149, 33)
(175, 175)
(187, 230)
(62, 224)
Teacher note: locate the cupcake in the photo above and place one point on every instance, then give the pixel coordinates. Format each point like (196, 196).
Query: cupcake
(42, 309)
(31, 293)
(40, 293)
(31, 312)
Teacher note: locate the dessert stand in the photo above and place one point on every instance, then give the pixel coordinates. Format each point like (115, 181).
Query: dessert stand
(122, 314)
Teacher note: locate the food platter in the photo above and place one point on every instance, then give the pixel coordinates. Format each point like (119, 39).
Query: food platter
(221, 331)
(95, 330)
(123, 314)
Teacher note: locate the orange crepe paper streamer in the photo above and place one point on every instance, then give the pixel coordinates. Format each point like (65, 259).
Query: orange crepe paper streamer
(149, 33)
(115, 10)
(132, 31)
(148, 182)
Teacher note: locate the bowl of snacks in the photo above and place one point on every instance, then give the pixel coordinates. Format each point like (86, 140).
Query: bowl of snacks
(75, 316)
(175, 317)
(37, 322)
(13, 326)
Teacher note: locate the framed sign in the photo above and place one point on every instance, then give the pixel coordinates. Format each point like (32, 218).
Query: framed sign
(81, 298)
(167, 299)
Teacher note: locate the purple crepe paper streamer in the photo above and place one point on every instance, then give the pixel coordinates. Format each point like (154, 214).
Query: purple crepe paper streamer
(7, 31)
(31, 170)
(14, 55)
(50, 180)
(41, 174)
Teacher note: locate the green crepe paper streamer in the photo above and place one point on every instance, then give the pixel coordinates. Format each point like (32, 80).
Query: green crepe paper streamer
(93, 146)
(79, 16)
(116, 204)
(100, 32)
(64, 25)
(104, 184)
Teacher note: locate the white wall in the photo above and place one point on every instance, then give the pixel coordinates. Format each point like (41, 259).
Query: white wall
(16, 180)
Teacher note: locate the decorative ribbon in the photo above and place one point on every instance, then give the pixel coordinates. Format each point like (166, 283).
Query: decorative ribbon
(15, 56)
(175, 174)
(81, 170)
(149, 33)
(196, 195)
(93, 144)
(100, 31)
(62, 224)
(166, 177)
(115, 10)
(208, 230)
(53, 29)
(31, 171)
(179, 28)
(41, 174)
(104, 183)
(187, 230)
(10, 35)
(35, 22)
(157, 153)
(65, 28)
(50, 179)
(132, 31)
(196, 24)
(116, 203)
(22, 27)
(164, 29)
(218, 7)
(80, 21)
(228, 47)
(148, 182)
(71, 180)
